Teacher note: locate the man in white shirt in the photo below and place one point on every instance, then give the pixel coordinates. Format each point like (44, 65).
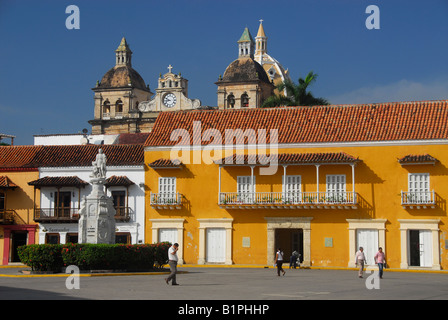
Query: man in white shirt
(172, 261)
(360, 260)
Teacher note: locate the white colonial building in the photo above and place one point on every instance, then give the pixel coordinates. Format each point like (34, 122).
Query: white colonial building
(64, 179)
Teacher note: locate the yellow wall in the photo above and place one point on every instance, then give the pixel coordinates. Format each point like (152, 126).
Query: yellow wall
(20, 199)
(379, 178)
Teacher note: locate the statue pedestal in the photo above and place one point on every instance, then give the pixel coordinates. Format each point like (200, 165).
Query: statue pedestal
(97, 216)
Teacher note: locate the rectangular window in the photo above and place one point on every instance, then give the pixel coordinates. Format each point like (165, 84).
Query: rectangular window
(244, 189)
(2, 201)
(418, 188)
(292, 188)
(336, 188)
(167, 190)
(119, 198)
(62, 203)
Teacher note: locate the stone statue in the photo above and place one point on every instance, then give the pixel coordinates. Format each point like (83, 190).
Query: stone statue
(99, 165)
(97, 213)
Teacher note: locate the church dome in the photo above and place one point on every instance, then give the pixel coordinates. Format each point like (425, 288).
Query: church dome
(122, 76)
(245, 69)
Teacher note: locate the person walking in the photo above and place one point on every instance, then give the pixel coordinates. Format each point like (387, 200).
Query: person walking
(380, 260)
(172, 261)
(279, 261)
(293, 260)
(360, 260)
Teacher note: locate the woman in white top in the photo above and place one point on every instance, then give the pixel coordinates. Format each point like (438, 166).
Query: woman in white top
(279, 261)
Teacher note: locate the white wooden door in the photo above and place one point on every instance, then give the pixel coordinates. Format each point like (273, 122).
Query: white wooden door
(368, 239)
(216, 245)
(292, 188)
(244, 189)
(336, 188)
(425, 240)
(168, 235)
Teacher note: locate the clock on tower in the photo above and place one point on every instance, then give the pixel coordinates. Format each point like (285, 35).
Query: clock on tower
(171, 94)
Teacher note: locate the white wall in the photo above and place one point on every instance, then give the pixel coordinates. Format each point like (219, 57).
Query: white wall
(136, 224)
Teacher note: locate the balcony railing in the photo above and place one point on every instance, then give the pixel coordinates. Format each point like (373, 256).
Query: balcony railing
(288, 199)
(418, 198)
(72, 214)
(56, 215)
(166, 200)
(122, 213)
(6, 216)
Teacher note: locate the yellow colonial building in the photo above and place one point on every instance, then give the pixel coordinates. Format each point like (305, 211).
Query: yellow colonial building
(231, 186)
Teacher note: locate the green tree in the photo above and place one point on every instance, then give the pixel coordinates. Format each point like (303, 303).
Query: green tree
(296, 94)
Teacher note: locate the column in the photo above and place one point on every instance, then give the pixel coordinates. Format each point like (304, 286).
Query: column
(6, 243)
(219, 185)
(252, 189)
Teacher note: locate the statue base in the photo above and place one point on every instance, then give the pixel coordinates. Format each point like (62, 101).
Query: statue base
(97, 216)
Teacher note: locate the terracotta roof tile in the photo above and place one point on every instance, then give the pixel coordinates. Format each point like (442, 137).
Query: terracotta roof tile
(68, 155)
(419, 120)
(118, 181)
(58, 181)
(294, 158)
(411, 158)
(5, 182)
(165, 163)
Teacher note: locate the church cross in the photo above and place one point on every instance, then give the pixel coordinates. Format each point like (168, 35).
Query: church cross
(169, 68)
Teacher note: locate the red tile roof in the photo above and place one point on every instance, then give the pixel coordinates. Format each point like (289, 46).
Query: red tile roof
(68, 155)
(118, 181)
(58, 182)
(294, 158)
(165, 163)
(420, 120)
(411, 158)
(6, 183)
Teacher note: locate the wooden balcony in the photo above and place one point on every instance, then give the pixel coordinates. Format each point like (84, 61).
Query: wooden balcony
(49, 215)
(166, 200)
(293, 200)
(122, 214)
(7, 216)
(71, 215)
(418, 199)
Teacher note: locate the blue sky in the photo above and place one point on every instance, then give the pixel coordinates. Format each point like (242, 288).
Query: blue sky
(47, 71)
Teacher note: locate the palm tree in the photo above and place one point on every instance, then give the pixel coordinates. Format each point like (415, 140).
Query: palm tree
(296, 94)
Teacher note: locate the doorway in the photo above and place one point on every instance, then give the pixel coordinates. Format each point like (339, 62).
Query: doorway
(62, 203)
(289, 240)
(420, 244)
(18, 238)
(216, 245)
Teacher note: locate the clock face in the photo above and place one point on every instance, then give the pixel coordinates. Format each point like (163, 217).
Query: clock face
(169, 100)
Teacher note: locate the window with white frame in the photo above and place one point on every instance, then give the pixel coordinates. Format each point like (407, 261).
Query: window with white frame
(244, 188)
(292, 188)
(167, 190)
(336, 188)
(418, 188)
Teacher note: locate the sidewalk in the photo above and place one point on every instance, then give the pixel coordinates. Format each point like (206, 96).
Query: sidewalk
(24, 271)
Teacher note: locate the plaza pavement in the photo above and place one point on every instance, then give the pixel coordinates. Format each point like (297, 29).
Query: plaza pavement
(235, 283)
